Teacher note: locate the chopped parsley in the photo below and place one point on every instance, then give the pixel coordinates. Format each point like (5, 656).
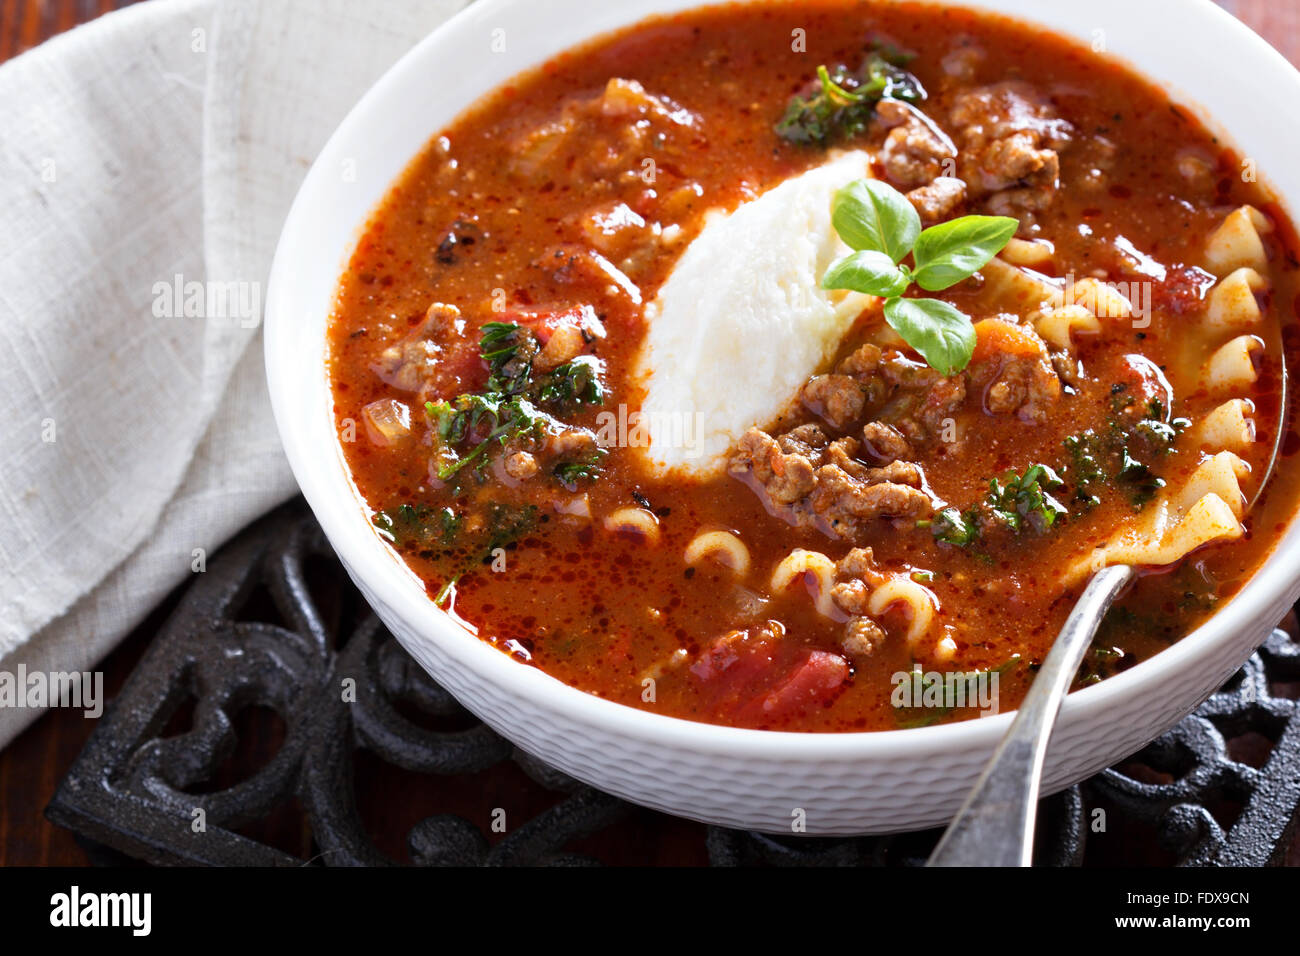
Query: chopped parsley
(1026, 500)
(442, 534)
(502, 418)
(417, 526)
(506, 524)
(509, 354)
(571, 472)
(573, 383)
(939, 688)
(514, 405)
(1085, 469)
(954, 527)
(1124, 453)
(1015, 502)
(842, 106)
(429, 530)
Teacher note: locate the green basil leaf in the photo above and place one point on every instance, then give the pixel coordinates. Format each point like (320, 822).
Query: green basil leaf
(869, 214)
(955, 250)
(867, 271)
(942, 333)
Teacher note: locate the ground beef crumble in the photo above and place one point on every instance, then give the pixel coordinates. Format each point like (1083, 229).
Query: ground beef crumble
(841, 485)
(1002, 155)
(812, 481)
(1009, 140)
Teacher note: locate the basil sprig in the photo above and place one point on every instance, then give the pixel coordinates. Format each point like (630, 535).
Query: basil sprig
(882, 227)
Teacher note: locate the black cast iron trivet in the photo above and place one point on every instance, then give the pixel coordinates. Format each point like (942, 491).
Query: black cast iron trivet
(275, 623)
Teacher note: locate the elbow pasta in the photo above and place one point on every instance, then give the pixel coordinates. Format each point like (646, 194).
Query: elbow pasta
(723, 546)
(1021, 290)
(920, 601)
(800, 562)
(1237, 243)
(635, 520)
(1231, 306)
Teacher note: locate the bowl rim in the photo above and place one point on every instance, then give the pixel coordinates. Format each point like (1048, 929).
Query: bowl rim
(338, 506)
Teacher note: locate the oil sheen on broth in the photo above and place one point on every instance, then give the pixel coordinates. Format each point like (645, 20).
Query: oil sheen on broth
(489, 324)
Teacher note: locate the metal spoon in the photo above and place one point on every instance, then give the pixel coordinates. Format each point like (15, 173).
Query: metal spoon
(995, 826)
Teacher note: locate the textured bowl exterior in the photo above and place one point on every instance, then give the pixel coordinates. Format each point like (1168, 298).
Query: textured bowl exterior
(830, 783)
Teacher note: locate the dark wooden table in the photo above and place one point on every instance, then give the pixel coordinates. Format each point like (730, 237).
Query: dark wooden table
(30, 768)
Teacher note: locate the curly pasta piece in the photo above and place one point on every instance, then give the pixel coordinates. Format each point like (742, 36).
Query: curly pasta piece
(1167, 535)
(1222, 476)
(635, 520)
(1210, 504)
(1031, 253)
(920, 601)
(1058, 326)
(1232, 366)
(1231, 305)
(1019, 290)
(722, 546)
(800, 562)
(1228, 427)
(1238, 242)
(1207, 508)
(1102, 300)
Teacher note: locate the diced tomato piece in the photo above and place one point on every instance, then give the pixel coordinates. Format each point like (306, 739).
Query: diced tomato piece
(1182, 290)
(461, 368)
(734, 661)
(544, 324)
(813, 682)
(750, 677)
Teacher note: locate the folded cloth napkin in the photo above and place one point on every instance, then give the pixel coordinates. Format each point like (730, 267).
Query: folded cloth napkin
(152, 150)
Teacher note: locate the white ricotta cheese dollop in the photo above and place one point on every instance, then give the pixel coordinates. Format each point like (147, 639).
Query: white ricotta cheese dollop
(742, 321)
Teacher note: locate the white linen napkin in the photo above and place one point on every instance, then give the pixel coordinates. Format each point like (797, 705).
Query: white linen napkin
(154, 148)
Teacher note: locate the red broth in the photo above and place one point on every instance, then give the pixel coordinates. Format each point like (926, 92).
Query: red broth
(495, 219)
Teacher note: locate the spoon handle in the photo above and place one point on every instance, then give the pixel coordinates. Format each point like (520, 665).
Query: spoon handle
(995, 826)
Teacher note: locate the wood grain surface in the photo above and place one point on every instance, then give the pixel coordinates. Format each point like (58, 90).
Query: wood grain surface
(31, 766)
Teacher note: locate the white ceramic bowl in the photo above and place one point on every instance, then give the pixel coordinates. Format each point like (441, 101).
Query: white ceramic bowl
(843, 783)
